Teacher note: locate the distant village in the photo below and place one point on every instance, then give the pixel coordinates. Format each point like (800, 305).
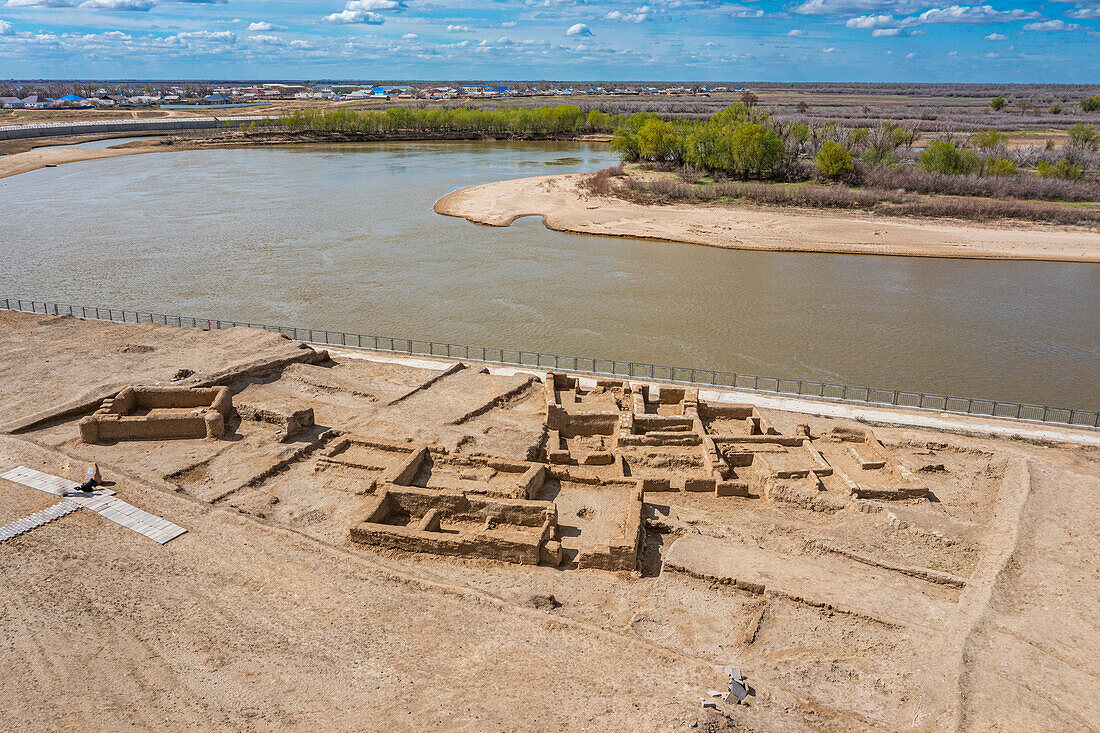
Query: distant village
(185, 96)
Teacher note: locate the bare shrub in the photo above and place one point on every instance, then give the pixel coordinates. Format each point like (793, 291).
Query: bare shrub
(668, 190)
(913, 179)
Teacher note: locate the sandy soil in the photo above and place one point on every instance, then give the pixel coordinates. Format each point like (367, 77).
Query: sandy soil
(563, 206)
(32, 160)
(265, 616)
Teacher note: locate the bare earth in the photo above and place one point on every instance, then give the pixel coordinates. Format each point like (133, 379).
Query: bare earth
(563, 206)
(971, 608)
(32, 160)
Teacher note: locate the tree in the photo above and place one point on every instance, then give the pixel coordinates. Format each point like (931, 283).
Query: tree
(749, 99)
(599, 121)
(1056, 108)
(1000, 167)
(709, 147)
(731, 116)
(986, 139)
(1091, 104)
(904, 136)
(660, 142)
(754, 149)
(834, 160)
(1085, 135)
(1062, 169)
(625, 143)
(998, 103)
(802, 107)
(944, 157)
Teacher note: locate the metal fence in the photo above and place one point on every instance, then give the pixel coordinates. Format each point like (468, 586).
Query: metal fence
(599, 367)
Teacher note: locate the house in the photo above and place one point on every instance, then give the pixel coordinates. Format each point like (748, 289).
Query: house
(215, 98)
(72, 100)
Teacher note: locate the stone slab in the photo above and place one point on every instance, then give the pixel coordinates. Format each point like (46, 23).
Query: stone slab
(39, 518)
(129, 516)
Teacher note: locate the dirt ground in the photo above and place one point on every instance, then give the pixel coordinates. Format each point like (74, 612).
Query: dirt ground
(969, 609)
(563, 206)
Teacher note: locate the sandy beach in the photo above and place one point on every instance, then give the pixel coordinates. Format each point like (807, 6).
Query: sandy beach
(32, 160)
(564, 206)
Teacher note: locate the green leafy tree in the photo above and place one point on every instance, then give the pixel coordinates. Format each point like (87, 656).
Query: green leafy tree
(1062, 169)
(945, 157)
(625, 143)
(661, 142)
(986, 139)
(904, 136)
(998, 103)
(1091, 104)
(834, 160)
(1000, 167)
(754, 149)
(1085, 135)
(599, 121)
(710, 147)
(732, 116)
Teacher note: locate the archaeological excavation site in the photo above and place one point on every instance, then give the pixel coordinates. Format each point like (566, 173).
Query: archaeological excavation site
(453, 545)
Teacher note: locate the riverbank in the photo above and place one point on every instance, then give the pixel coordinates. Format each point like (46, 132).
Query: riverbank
(565, 206)
(26, 158)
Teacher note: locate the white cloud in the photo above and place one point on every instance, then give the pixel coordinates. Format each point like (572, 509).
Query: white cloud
(740, 11)
(369, 6)
(995, 37)
(578, 29)
(1052, 25)
(640, 15)
(458, 29)
(830, 49)
(973, 14)
(363, 11)
(5, 27)
(1085, 13)
(38, 3)
(866, 22)
(263, 25)
(203, 41)
(409, 37)
(954, 14)
(270, 40)
(355, 16)
(885, 32)
(508, 24)
(796, 32)
(910, 55)
(851, 7)
(118, 5)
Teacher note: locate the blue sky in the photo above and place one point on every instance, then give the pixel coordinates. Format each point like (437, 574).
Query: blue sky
(805, 40)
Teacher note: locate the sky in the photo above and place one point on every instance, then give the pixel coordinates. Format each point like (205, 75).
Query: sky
(661, 40)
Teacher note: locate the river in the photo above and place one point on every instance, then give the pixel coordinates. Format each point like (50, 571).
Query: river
(344, 237)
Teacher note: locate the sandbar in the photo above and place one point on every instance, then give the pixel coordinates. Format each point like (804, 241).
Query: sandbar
(565, 206)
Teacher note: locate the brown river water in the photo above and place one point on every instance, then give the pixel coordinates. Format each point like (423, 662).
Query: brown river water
(343, 237)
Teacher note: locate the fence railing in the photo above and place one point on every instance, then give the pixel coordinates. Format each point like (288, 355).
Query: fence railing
(806, 388)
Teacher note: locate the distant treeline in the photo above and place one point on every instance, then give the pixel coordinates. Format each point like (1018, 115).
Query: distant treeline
(564, 119)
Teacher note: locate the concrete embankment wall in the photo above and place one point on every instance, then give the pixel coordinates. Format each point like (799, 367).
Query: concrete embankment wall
(55, 129)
